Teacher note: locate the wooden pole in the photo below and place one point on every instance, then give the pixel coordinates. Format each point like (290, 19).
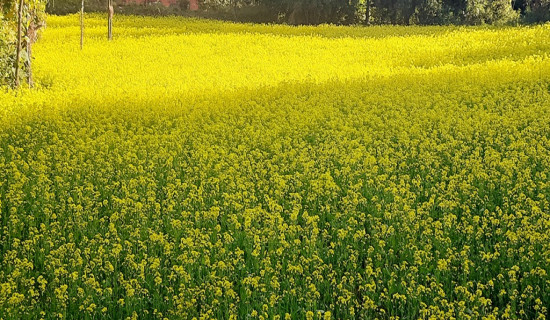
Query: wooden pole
(111, 12)
(18, 52)
(31, 37)
(82, 25)
(367, 12)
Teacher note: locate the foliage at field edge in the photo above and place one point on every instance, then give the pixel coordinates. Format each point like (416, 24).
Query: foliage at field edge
(276, 172)
(32, 20)
(405, 12)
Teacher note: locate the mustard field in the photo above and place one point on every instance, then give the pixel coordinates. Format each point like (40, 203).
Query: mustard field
(192, 169)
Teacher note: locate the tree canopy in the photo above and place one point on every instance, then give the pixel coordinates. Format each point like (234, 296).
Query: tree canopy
(405, 11)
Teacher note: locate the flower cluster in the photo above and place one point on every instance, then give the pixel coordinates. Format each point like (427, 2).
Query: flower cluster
(192, 169)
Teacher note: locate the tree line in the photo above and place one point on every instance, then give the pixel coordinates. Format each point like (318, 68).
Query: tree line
(396, 12)
(406, 12)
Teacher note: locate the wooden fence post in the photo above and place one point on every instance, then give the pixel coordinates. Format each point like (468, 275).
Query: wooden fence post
(18, 52)
(31, 37)
(111, 12)
(82, 25)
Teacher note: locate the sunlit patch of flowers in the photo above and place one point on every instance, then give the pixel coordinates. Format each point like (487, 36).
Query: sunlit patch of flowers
(193, 169)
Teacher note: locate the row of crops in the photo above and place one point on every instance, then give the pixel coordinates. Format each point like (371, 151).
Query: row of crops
(194, 169)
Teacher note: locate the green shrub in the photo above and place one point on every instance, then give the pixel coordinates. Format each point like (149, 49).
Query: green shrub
(539, 11)
(490, 12)
(7, 50)
(33, 15)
